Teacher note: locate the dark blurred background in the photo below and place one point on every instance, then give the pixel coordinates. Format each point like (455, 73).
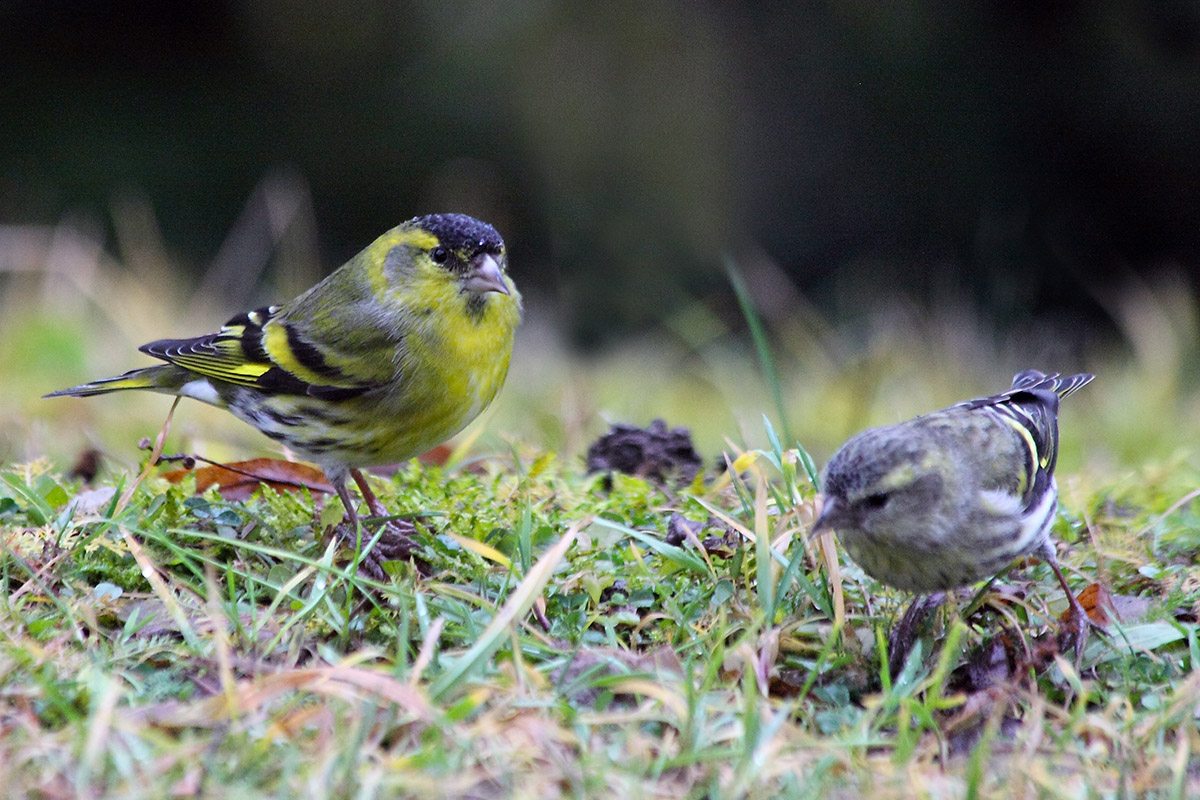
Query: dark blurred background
(1023, 158)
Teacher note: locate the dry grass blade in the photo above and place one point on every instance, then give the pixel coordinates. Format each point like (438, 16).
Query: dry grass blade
(428, 646)
(159, 441)
(254, 696)
(834, 570)
(1178, 504)
(169, 601)
(674, 701)
(517, 604)
(481, 549)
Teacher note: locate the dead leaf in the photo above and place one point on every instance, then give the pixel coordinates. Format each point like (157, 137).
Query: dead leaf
(680, 529)
(151, 618)
(355, 685)
(963, 727)
(189, 784)
(1128, 609)
(89, 502)
(438, 456)
(989, 665)
(1096, 602)
(788, 682)
(241, 479)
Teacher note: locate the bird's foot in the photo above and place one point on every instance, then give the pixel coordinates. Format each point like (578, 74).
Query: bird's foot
(904, 635)
(1074, 630)
(395, 542)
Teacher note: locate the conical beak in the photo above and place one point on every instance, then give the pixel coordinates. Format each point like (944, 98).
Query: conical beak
(485, 276)
(831, 510)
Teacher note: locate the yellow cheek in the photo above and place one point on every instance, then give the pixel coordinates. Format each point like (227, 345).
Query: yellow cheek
(377, 252)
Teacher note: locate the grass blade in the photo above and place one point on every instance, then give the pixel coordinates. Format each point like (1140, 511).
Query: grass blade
(676, 555)
(761, 345)
(516, 606)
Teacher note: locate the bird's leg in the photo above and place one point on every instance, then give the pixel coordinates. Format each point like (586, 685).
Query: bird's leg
(395, 540)
(1078, 623)
(351, 520)
(351, 531)
(373, 505)
(904, 635)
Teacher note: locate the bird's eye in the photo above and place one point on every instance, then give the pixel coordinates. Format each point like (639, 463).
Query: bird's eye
(875, 501)
(439, 255)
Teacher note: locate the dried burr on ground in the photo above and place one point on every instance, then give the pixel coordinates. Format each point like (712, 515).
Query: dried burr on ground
(655, 453)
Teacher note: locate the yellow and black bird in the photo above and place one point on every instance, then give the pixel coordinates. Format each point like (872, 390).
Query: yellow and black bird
(391, 354)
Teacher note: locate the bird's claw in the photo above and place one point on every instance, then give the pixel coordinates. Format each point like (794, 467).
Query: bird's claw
(1074, 630)
(905, 633)
(396, 542)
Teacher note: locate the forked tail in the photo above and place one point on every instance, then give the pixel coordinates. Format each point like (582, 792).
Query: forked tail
(1032, 380)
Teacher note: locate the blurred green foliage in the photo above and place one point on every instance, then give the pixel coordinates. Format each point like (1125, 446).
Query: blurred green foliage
(1018, 157)
(923, 200)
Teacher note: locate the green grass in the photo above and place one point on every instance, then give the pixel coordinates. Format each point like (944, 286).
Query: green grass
(185, 646)
(192, 646)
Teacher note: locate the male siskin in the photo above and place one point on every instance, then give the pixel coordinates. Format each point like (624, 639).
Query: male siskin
(392, 353)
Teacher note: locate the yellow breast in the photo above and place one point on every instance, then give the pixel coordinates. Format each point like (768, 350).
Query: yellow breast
(454, 365)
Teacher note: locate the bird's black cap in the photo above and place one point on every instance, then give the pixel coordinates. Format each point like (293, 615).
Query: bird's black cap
(461, 233)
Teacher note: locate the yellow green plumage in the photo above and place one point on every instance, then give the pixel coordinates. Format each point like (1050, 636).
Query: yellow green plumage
(392, 353)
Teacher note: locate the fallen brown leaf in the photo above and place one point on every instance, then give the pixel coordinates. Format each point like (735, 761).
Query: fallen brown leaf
(1096, 602)
(438, 456)
(241, 479)
(987, 666)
